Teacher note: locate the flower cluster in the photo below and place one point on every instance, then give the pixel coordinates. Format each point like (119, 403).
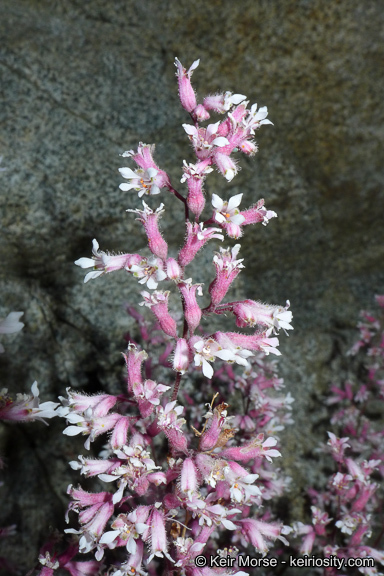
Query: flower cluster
(182, 471)
(347, 518)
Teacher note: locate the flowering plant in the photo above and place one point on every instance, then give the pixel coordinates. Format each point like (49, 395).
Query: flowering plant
(180, 474)
(347, 513)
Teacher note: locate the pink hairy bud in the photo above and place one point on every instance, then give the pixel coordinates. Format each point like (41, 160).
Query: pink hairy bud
(191, 308)
(119, 434)
(195, 198)
(134, 359)
(181, 358)
(150, 221)
(186, 92)
(201, 113)
(159, 545)
(174, 272)
(158, 303)
(188, 476)
(225, 165)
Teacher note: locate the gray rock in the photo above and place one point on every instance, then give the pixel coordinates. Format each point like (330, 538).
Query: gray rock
(84, 81)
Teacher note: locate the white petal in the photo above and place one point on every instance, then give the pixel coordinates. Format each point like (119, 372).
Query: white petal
(217, 202)
(237, 98)
(234, 202)
(228, 524)
(92, 275)
(220, 141)
(128, 173)
(125, 186)
(207, 369)
(190, 130)
(109, 537)
(73, 430)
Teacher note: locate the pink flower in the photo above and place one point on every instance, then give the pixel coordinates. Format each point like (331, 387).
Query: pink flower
(227, 268)
(148, 178)
(195, 175)
(102, 262)
(150, 221)
(186, 92)
(26, 407)
(223, 102)
(197, 236)
(192, 310)
(159, 544)
(158, 303)
(251, 313)
(181, 358)
(204, 140)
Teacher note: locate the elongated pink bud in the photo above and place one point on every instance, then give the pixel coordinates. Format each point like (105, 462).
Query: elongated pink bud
(134, 359)
(119, 434)
(181, 358)
(150, 221)
(186, 92)
(174, 272)
(191, 308)
(188, 477)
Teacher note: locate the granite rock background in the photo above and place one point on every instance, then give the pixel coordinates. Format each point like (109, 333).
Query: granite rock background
(83, 81)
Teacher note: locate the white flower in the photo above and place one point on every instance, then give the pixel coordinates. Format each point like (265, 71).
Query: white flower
(149, 271)
(226, 212)
(143, 181)
(256, 118)
(207, 351)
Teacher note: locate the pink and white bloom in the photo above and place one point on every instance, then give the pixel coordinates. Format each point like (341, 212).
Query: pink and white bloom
(251, 313)
(206, 351)
(142, 181)
(197, 236)
(158, 303)
(227, 214)
(150, 221)
(159, 544)
(149, 271)
(255, 118)
(102, 262)
(26, 407)
(127, 528)
(148, 178)
(186, 92)
(181, 358)
(204, 140)
(221, 103)
(228, 266)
